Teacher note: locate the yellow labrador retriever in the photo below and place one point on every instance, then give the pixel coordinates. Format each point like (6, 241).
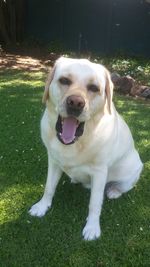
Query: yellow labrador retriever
(86, 138)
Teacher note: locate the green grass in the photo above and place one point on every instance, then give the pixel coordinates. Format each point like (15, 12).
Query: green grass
(55, 240)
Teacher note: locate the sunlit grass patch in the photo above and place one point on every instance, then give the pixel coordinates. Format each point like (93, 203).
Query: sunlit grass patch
(20, 78)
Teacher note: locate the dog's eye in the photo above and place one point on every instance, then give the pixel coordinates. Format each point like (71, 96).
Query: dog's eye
(65, 81)
(92, 87)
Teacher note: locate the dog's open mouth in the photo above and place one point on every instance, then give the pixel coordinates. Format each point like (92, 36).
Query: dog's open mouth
(69, 129)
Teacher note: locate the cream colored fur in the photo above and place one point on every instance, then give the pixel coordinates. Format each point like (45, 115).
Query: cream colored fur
(104, 154)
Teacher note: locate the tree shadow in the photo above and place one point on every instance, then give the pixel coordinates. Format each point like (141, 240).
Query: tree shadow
(56, 239)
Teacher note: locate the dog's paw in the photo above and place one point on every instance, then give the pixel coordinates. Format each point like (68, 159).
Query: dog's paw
(113, 192)
(39, 209)
(91, 231)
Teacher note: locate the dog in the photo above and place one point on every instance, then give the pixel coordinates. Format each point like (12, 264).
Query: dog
(86, 138)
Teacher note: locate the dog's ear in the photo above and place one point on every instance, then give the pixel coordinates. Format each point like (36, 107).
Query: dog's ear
(109, 91)
(48, 82)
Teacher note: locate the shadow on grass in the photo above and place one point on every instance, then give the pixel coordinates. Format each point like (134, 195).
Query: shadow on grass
(56, 240)
(20, 113)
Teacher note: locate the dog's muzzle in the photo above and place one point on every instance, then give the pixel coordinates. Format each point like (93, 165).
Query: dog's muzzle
(69, 129)
(74, 105)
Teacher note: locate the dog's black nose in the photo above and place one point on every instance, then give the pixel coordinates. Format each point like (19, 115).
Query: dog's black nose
(75, 105)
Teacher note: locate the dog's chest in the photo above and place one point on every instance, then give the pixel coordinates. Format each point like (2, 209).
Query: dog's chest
(66, 156)
(77, 173)
(72, 160)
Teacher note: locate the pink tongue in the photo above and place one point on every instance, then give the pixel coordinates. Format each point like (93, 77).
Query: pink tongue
(69, 129)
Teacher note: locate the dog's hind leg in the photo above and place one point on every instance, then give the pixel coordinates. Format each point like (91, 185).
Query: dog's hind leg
(123, 176)
(112, 190)
(117, 188)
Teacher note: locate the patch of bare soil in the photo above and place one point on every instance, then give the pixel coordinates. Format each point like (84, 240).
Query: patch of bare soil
(27, 63)
(10, 61)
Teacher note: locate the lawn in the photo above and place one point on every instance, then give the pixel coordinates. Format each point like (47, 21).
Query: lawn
(55, 240)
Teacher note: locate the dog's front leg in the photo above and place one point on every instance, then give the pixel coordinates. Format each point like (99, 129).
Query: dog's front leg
(91, 230)
(54, 174)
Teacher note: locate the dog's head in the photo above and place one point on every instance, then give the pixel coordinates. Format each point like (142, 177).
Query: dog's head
(78, 89)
